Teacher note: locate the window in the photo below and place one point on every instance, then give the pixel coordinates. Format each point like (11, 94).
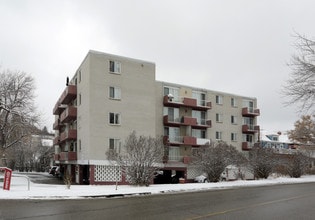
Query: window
(218, 135)
(114, 118)
(114, 92)
(200, 97)
(233, 137)
(248, 138)
(201, 117)
(114, 66)
(114, 145)
(172, 113)
(174, 154)
(172, 91)
(219, 117)
(249, 104)
(219, 99)
(198, 133)
(233, 119)
(233, 102)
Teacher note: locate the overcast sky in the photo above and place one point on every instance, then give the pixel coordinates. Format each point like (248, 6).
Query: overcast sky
(236, 46)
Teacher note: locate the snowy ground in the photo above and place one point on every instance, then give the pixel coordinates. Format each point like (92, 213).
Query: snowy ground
(19, 188)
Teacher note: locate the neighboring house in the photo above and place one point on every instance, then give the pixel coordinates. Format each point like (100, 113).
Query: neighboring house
(283, 146)
(278, 141)
(110, 96)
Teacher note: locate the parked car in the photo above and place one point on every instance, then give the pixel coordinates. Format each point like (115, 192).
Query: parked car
(201, 179)
(52, 170)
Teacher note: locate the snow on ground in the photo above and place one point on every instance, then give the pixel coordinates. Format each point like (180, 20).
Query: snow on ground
(19, 188)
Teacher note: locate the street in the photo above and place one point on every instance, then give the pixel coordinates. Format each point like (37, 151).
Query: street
(292, 201)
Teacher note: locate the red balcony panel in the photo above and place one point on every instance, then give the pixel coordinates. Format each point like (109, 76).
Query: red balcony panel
(190, 140)
(190, 102)
(57, 125)
(250, 129)
(56, 157)
(69, 94)
(186, 160)
(56, 140)
(246, 146)
(68, 115)
(58, 108)
(71, 134)
(68, 156)
(209, 123)
(186, 102)
(251, 112)
(72, 155)
(189, 120)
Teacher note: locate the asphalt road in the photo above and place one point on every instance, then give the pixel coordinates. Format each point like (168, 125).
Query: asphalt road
(294, 201)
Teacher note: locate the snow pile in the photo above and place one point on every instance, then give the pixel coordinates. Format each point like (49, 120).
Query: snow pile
(19, 188)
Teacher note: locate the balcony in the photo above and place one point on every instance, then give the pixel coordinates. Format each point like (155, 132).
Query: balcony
(250, 112)
(57, 125)
(250, 129)
(68, 115)
(68, 95)
(247, 146)
(56, 140)
(186, 102)
(186, 121)
(186, 160)
(56, 157)
(68, 156)
(180, 140)
(58, 108)
(71, 134)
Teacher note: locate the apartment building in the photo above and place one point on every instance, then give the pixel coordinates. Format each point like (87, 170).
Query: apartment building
(110, 96)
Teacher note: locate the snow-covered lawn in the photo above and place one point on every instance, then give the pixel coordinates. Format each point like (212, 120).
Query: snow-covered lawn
(19, 188)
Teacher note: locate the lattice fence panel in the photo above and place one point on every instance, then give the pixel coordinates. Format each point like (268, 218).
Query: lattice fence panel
(107, 173)
(192, 173)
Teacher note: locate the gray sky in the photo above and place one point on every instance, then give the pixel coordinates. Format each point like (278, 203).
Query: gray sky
(239, 47)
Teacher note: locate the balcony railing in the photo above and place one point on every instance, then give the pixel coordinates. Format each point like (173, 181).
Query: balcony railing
(250, 129)
(68, 115)
(69, 94)
(251, 112)
(180, 140)
(68, 156)
(186, 102)
(186, 121)
(246, 146)
(70, 134)
(58, 108)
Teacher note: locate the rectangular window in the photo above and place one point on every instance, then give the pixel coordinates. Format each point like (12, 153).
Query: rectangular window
(233, 137)
(219, 99)
(172, 113)
(173, 93)
(198, 133)
(174, 154)
(233, 102)
(233, 119)
(200, 97)
(200, 116)
(114, 67)
(114, 92)
(114, 145)
(218, 135)
(114, 118)
(219, 117)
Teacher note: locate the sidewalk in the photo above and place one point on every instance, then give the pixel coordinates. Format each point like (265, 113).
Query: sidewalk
(19, 188)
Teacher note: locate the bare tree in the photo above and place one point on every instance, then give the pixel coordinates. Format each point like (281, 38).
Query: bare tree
(18, 116)
(141, 158)
(296, 164)
(300, 87)
(262, 161)
(304, 130)
(214, 158)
